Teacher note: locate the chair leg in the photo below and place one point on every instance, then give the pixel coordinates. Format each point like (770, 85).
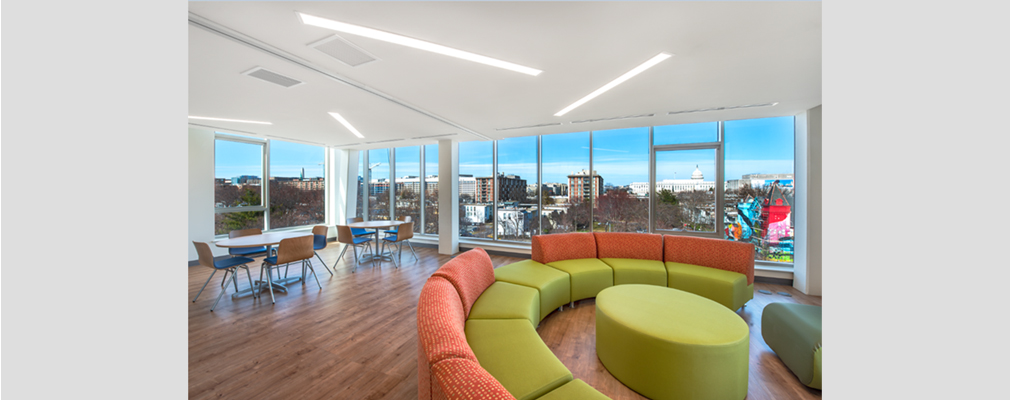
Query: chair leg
(224, 278)
(251, 287)
(219, 296)
(204, 285)
(356, 260)
(270, 284)
(324, 264)
(314, 274)
(233, 278)
(412, 251)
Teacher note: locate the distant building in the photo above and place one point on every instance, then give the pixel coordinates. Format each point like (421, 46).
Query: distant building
(580, 188)
(246, 180)
(513, 222)
(510, 188)
(758, 181)
(477, 213)
(697, 182)
(556, 189)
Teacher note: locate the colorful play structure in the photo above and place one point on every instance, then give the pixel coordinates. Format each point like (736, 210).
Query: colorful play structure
(765, 222)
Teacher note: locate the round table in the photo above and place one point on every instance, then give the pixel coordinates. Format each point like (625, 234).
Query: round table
(268, 240)
(378, 226)
(669, 344)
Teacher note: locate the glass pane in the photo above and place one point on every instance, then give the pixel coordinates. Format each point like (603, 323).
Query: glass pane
(685, 201)
(621, 157)
(475, 204)
(760, 186)
(566, 162)
(237, 171)
(378, 185)
(517, 188)
(227, 222)
(686, 133)
(297, 184)
(431, 189)
(408, 184)
(362, 197)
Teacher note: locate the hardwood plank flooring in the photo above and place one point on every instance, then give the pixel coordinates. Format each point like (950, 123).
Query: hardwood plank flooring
(357, 337)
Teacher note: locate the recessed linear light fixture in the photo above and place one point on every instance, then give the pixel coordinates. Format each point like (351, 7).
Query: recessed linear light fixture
(346, 124)
(613, 118)
(434, 136)
(722, 108)
(411, 42)
(528, 126)
(627, 75)
(230, 120)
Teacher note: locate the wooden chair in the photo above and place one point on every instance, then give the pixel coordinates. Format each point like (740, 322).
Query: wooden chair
(404, 233)
(319, 243)
(357, 232)
(289, 251)
(245, 251)
(404, 218)
(228, 265)
(345, 236)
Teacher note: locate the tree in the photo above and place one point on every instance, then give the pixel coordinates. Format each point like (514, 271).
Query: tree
(618, 207)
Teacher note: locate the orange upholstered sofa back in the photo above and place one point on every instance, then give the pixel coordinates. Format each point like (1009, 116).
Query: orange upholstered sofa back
(641, 246)
(713, 253)
(442, 310)
(563, 246)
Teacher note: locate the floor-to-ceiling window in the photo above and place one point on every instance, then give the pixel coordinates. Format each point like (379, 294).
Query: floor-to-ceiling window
(476, 195)
(297, 184)
(286, 192)
(361, 184)
(408, 184)
(516, 186)
(565, 166)
(378, 184)
(430, 189)
(760, 185)
(621, 158)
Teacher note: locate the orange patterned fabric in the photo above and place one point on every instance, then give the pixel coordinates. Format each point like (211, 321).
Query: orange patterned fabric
(464, 379)
(713, 253)
(563, 246)
(639, 246)
(440, 322)
(470, 273)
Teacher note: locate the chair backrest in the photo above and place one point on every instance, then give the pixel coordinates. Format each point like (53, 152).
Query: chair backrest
(404, 218)
(319, 230)
(319, 235)
(405, 231)
(206, 256)
(244, 232)
(294, 249)
(357, 231)
(344, 234)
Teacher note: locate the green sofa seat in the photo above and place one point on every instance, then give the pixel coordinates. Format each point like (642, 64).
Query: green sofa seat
(503, 300)
(554, 285)
(513, 353)
(589, 276)
(793, 331)
(630, 271)
(724, 287)
(575, 390)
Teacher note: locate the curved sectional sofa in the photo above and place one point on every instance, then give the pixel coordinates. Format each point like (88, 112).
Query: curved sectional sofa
(476, 324)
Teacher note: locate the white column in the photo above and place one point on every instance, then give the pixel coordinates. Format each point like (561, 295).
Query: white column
(807, 258)
(448, 197)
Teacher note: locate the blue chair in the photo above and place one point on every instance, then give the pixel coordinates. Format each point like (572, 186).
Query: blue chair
(406, 233)
(289, 251)
(228, 265)
(319, 243)
(392, 232)
(345, 236)
(355, 232)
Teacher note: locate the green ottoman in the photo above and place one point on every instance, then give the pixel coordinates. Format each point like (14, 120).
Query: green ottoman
(793, 331)
(669, 344)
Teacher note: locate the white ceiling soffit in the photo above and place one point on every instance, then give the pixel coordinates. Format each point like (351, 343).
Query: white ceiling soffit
(727, 54)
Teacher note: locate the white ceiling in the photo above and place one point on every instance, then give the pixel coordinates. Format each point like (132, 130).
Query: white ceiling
(725, 54)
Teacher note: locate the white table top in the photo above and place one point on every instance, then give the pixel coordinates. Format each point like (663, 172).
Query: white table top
(265, 239)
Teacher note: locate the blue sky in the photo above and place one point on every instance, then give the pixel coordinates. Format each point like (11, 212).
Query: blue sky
(621, 156)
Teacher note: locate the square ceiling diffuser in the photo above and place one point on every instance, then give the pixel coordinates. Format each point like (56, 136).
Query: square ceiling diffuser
(343, 50)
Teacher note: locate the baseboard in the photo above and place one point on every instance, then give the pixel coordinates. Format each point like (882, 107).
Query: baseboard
(774, 281)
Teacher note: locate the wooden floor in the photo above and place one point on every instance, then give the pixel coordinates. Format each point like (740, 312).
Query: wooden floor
(357, 337)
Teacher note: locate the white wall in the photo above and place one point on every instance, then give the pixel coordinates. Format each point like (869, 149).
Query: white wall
(201, 191)
(807, 262)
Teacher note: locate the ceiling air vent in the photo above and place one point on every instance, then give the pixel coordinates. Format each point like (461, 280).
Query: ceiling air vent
(721, 108)
(434, 136)
(384, 141)
(273, 77)
(343, 50)
(613, 118)
(528, 126)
